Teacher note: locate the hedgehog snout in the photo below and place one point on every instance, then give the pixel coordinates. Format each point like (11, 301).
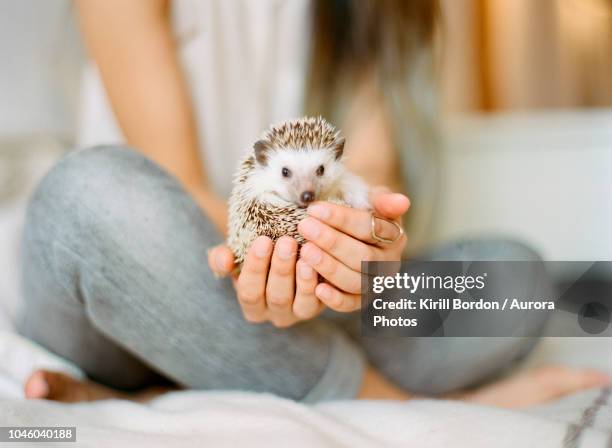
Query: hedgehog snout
(307, 197)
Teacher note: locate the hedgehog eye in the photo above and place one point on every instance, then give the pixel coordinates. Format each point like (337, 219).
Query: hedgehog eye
(286, 172)
(320, 170)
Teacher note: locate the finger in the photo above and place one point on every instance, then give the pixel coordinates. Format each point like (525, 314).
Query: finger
(353, 222)
(251, 283)
(280, 288)
(331, 269)
(306, 305)
(390, 205)
(221, 260)
(337, 300)
(344, 248)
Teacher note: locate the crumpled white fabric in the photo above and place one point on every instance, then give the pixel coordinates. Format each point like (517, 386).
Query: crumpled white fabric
(186, 419)
(220, 418)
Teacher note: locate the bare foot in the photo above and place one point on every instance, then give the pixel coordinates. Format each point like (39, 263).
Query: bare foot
(536, 386)
(56, 386)
(374, 386)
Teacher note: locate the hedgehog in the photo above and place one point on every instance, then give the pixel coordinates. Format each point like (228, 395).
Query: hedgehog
(293, 164)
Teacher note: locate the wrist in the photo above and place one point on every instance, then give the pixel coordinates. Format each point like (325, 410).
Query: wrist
(212, 205)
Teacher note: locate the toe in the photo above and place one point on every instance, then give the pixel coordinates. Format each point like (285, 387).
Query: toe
(36, 387)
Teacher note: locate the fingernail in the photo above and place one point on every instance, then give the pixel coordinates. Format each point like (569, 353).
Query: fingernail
(312, 254)
(305, 271)
(284, 249)
(309, 228)
(400, 197)
(320, 211)
(261, 247)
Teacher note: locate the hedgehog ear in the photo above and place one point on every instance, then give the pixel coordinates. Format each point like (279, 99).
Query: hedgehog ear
(261, 148)
(339, 148)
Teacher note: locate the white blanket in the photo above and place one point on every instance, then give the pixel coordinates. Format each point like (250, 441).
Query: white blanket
(235, 419)
(241, 419)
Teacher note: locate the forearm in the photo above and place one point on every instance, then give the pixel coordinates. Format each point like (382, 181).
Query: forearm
(371, 149)
(144, 81)
(145, 84)
(214, 207)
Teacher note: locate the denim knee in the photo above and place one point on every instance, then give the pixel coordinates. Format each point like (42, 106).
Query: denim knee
(109, 188)
(97, 175)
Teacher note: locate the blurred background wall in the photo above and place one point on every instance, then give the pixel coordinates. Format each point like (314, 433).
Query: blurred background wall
(40, 51)
(527, 87)
(526, 54)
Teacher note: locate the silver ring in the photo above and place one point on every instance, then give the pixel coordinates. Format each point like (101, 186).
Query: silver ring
(380, 239)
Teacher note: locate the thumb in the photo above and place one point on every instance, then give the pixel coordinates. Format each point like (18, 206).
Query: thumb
(390, 205)
(221, 260)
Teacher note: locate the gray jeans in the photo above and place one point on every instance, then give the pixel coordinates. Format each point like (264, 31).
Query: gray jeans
(116, 280)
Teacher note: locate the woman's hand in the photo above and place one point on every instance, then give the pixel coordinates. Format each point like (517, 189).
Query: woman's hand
(340, 238)
(271, 285)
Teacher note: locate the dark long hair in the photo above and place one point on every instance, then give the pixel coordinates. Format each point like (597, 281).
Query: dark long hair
(390, 42)
(354, 38)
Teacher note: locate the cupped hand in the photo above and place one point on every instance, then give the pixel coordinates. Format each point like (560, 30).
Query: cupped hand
(340, 238)
(271, 285)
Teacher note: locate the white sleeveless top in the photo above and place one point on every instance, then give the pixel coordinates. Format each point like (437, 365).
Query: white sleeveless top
(245, 62)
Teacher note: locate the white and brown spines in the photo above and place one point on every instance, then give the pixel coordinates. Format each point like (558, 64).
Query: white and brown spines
(303, 133)
(307, 132)
(258, 206)
(244, 169)
(250, 218)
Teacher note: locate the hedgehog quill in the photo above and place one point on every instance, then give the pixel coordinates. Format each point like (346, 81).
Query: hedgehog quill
(293, 164)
